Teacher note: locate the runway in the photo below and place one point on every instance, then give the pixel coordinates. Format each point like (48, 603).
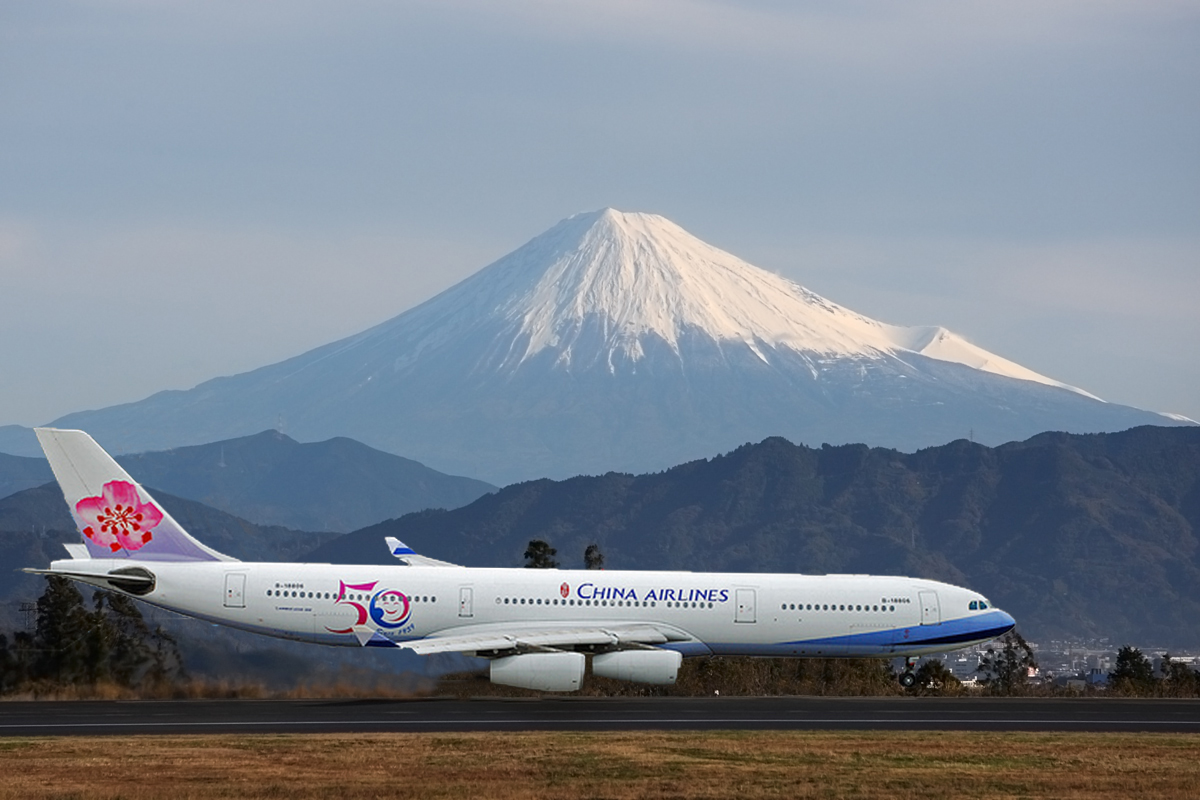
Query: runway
(92, 718)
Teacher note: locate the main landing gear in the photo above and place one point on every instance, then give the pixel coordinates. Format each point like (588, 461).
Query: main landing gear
(907, 678)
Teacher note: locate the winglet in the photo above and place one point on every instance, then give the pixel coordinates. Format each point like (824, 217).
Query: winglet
(398, 548)
(409, 556)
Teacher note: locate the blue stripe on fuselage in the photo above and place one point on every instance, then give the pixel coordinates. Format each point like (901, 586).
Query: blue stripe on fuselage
(977, 627)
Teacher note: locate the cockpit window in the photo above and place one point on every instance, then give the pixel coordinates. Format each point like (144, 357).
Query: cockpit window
(974, 605)
(982, 604)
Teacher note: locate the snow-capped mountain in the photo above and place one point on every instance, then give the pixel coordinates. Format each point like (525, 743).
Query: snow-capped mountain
(640, 277)
(618, 341)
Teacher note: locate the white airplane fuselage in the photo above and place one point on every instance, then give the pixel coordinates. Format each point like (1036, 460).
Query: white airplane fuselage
(707, 613)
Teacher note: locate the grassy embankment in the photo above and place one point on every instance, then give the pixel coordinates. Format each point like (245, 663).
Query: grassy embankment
(745, 765)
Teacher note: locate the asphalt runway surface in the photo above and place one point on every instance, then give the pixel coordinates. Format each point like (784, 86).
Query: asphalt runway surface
(92, 718)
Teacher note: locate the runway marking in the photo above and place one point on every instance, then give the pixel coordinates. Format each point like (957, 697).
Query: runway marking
(525, 722)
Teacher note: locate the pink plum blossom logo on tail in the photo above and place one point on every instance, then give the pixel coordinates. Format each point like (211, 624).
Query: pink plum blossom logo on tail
(117, 518)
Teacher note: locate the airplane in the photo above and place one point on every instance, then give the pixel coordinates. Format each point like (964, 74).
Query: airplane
(537, 627)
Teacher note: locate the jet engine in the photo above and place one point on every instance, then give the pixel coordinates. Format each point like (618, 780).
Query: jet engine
(545, 672)
(641, 666)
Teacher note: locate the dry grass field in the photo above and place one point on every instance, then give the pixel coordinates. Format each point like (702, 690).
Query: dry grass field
(738, 765)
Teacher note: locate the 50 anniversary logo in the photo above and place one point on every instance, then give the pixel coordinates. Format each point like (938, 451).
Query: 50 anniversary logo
(388, 609)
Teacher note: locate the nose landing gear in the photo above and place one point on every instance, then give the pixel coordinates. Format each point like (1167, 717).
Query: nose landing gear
(907, 678)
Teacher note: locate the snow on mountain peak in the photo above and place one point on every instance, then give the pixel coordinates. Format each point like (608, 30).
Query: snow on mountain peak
(636, 276)
(641, 274)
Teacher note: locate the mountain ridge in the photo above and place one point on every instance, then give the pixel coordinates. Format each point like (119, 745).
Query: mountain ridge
(338, 484)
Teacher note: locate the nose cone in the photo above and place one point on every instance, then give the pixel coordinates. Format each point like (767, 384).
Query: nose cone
(1006, 622)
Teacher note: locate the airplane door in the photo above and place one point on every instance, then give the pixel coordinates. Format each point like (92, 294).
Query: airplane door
(466, 601)
(235, 590)
(745, 605)
(931, 610)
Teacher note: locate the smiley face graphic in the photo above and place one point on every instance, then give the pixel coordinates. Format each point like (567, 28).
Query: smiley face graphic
(390, 608)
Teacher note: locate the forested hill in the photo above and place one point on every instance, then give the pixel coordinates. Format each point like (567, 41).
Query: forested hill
(1075, 535)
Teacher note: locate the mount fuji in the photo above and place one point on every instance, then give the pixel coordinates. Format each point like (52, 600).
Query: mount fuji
(618, 341)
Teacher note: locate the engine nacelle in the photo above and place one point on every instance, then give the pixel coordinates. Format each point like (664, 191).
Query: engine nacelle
(641, 666)
(543, 672)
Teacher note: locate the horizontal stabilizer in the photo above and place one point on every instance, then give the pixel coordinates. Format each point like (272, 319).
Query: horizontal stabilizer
(134, 580)
(77, 551)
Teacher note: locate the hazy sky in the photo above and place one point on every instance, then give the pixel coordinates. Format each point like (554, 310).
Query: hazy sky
(194, 189)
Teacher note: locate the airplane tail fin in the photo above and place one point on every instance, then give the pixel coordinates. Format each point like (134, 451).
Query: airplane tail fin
(116, 517)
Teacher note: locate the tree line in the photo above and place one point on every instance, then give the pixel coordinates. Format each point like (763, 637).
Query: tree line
(80, 645)
(1134, 675)
(540, 555)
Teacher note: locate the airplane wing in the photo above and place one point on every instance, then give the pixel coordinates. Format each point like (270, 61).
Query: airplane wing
(410, 557)
(473, 639)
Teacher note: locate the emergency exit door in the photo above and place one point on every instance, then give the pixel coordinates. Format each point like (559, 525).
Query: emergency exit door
(466, 601)
(931, 609)
(235, 590)
(745, 605)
